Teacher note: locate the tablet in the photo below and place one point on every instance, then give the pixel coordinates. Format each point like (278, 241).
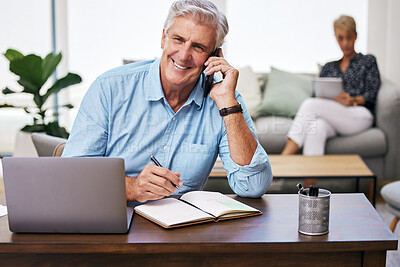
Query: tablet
(326, 87)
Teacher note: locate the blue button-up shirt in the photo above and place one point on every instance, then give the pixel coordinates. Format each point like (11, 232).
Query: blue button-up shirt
(125, 114)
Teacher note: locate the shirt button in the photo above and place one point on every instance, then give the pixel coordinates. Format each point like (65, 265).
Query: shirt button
(165, 148)
(173, 118)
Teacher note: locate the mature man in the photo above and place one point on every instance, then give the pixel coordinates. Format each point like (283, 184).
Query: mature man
(158, 108)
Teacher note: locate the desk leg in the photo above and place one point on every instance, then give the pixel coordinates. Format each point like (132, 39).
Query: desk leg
(374, 192)
(374, 258)
(357, 185)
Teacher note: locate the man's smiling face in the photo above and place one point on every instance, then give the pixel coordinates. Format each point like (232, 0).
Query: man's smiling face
(186, 46)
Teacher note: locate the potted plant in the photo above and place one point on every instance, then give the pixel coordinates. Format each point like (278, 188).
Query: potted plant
(33, 72)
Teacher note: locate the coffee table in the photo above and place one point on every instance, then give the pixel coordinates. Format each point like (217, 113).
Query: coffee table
(315, 167)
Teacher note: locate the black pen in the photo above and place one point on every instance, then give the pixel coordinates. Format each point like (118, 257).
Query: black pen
(153, 159)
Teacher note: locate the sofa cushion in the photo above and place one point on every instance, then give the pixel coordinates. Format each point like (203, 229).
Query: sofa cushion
(391, 194)
(284, 93)
(248, 86)
(271, 132)
(371, 142)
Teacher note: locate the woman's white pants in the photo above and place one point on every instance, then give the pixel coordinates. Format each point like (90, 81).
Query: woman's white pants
(319, 119)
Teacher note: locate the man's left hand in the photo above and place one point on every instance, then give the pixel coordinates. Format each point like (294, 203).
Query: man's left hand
(222, 93)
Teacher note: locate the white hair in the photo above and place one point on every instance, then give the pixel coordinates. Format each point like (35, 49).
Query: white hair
(206, 13)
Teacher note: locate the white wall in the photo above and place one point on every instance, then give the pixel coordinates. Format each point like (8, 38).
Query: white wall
(25, 25)
(101, 33)
(61, 24)
(384, 36)
(292, 35)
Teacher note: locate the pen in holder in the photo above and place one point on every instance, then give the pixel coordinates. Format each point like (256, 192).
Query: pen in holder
(313, 210)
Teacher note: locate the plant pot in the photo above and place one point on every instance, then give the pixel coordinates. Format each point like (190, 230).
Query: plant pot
(24, 146)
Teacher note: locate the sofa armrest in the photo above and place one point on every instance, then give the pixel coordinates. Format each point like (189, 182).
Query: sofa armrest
(388, 120)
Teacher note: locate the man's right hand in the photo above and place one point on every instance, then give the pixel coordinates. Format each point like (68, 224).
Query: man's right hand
(152, 183)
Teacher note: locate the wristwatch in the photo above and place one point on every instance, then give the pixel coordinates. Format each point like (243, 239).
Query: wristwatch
(234, 109)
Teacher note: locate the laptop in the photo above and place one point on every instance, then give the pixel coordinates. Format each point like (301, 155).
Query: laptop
(325, 87)
(66, 195)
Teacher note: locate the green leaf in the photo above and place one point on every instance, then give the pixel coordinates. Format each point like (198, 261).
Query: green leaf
(34, 128)
(7, 106)
(49, 65)
(69, 106)
(54, 129)
(38, 100)
(7, 91)
(12, 54)
(29, 69)
(68, 80)
(28, 87)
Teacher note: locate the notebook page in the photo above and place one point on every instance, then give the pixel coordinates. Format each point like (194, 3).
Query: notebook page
(215, 203)
(170, 211)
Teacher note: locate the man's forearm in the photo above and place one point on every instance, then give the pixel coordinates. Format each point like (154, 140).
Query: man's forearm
(129, 188)
(242, 143)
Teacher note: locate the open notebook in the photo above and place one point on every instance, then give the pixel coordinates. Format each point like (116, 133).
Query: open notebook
(193, 208)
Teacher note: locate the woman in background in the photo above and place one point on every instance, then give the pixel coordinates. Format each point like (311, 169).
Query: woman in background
(349, 112)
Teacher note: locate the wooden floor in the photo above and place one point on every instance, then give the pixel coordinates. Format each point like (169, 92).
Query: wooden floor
(392, 256)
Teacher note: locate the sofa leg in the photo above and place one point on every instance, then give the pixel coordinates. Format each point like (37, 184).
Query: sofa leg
(393, 224)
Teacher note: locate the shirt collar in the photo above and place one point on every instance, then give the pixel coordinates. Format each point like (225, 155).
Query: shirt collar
(356, 57)
(154, 90)
(198, 91)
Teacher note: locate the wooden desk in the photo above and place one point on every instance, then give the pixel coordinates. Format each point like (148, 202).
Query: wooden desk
(315, 167)
(357, 237)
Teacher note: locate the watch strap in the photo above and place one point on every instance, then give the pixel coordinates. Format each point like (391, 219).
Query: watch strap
(230, 110)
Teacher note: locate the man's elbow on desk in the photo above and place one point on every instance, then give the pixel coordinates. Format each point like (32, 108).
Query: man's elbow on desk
(253, 186)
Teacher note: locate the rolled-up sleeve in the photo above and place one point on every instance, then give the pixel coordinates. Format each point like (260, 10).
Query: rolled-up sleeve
(251, 180)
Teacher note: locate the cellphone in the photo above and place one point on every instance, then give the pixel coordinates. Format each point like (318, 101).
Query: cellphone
(209, 80)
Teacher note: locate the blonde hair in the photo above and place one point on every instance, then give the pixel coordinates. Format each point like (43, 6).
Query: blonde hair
(346, 23)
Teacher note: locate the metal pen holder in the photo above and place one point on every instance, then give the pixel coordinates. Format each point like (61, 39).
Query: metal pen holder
(314, 212)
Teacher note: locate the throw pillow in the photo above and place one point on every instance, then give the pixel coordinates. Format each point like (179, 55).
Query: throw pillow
(284, 93)
(249, 88)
